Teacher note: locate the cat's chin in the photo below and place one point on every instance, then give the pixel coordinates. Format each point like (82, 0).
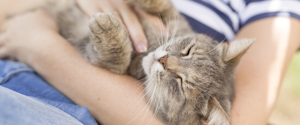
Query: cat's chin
(148, 62)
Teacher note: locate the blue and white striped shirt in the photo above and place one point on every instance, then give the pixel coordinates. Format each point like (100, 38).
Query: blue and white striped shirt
(222, 19)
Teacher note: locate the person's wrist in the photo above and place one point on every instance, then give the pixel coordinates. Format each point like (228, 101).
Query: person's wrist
(54, 49)
(43, 43)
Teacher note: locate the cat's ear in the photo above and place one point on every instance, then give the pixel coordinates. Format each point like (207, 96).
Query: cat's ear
(216, 114)
(234, 50)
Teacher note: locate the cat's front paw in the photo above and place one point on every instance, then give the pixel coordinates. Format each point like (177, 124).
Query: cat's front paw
(111, 42)
(105, 26)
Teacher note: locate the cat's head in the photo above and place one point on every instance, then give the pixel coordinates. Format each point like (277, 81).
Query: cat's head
(193, 76)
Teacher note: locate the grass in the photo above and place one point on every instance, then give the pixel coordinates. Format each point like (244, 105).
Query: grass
(293, 75)
(287, 110)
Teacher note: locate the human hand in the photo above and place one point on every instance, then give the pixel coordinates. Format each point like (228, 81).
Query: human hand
(20, 37)
(127, 15)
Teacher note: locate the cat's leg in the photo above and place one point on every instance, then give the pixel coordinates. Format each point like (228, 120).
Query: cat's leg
(111, 46)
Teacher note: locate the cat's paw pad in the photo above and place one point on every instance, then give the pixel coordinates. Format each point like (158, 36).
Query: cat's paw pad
(104, 23)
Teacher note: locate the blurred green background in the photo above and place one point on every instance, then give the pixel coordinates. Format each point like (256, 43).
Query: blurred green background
(287, 110)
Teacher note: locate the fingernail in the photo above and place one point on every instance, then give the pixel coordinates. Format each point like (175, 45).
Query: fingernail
(142, 47)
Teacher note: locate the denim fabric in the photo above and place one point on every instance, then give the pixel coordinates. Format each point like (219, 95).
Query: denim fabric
(17, 109)
(33, 89)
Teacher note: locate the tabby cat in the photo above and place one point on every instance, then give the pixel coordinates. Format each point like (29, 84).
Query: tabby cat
(188, 77)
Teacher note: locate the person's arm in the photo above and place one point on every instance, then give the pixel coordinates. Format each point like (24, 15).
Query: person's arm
(112, 99)
(261, 70)
(11, 7)
(118, 7)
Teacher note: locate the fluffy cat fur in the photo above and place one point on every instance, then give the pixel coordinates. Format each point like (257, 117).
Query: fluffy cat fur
(189, 76)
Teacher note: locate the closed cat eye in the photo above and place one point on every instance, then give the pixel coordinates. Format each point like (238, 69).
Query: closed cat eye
(179, 78)
(188, 51)
(180, 82)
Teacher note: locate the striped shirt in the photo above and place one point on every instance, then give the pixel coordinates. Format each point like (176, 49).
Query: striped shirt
(222, 19)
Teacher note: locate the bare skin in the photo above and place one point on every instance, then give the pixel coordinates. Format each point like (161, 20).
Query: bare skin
(117, 7)
(261, 71)
(110, 98)
(259, 75)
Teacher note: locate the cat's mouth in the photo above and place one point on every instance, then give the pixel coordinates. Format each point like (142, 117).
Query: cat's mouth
(148, 62)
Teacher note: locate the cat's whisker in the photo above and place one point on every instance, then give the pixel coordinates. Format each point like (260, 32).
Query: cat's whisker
(150, 101)
(139, 88)
(216, 46)
(168, 30)
(214, 36)
(141, 85)
(212, 49)
(176, 26)
(222, 40)
(169, 25)
(137, 115)
(138, 71)
(155, 33)
(152, 96)
(144, 106)
(157, 38)
(165, 38)
(157, 106)
(156, 102)
(145, 93)
(175, 29)
(161, 28)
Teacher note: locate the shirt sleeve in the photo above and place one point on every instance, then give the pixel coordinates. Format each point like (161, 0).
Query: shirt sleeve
(222, 19)
(252, 10)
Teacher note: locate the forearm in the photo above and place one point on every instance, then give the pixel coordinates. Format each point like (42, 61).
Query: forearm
(263, 67)
(11, 7)
(111, 98)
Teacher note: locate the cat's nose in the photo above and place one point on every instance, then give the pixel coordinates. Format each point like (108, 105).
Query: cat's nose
(163, 60)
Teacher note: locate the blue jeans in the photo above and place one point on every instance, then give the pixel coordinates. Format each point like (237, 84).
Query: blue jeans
(25, 98)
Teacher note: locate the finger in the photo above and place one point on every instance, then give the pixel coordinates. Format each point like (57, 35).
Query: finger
(134, 28)
(107, 7)
(116, 14)
(89, 7)
(155, 21)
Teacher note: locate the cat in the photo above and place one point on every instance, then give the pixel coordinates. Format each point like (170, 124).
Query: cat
(189, 77)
